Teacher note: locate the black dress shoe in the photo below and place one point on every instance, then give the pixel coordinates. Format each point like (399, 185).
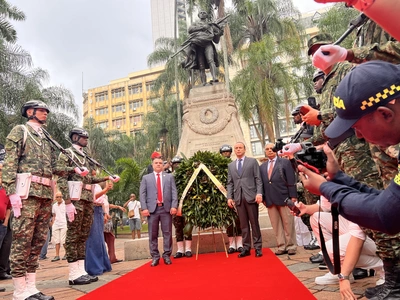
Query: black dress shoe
(323, 266)
(5, 276)
(231, 250)
(311, 247)
(280, 252)
(117, 261)
(2, 289)
(360, 273)
(80, 280)
(92, 278)
(240, 249)
(317, 259)
(39, 296)
(167, 260)
(155, 262)
(178, 255)
(244, 253)
(259, 253)
(188, 254)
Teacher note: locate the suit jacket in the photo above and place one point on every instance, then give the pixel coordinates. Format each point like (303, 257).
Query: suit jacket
(248, 184)
(282, 183)
(148, 192)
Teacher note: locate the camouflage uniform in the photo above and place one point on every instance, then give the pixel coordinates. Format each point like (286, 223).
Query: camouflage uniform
(79, 229)
(37, 157)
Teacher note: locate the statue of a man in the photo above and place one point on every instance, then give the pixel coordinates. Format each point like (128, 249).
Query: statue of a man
(202, 54)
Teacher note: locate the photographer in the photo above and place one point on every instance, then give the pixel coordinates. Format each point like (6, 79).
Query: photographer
(379, 83)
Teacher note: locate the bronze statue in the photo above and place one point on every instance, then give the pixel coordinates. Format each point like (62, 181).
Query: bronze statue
(199, 48)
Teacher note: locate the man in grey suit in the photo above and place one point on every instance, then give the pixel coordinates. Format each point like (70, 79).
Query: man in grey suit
(159, 201)
(245, 187)
(279, 181)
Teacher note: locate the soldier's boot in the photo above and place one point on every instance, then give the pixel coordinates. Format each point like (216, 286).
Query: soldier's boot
(372, 291)
(34, 293)
(213, 71)
(75, 277)
(188, 248)
(239, 243)
(180, 252)
(82, 271)
(20, 292)
(390, 290)
(232, 245)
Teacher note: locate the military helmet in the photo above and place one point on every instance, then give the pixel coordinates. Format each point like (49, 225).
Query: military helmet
(317, 74)
(176, 159)
(225, 148)
(319, 39)
(79, 131)
(33, 104)
(296, 110)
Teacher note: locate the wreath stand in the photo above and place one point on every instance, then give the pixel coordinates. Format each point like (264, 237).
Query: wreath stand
(211, 229)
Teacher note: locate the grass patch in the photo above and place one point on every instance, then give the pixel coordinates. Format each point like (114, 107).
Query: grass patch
(127, 230)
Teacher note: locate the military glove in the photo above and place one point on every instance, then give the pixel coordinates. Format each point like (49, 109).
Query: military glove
(16, 204)
(80, 172)
(71, 212)
(114, 178)
(290, 150)
(324, 61)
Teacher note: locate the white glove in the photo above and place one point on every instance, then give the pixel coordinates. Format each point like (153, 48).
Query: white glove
(336, 54)
(290, 149)
(114, 178)
(16, 204)
(80, 172)
(71, 211)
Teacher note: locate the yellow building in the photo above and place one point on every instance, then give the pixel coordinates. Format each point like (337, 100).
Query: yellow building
(122, 104)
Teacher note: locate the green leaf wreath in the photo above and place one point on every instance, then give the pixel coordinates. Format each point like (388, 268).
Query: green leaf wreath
(204, 205)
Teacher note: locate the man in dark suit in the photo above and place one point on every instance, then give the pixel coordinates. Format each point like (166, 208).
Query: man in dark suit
(159, 201)
(279, 183)
(245, 187)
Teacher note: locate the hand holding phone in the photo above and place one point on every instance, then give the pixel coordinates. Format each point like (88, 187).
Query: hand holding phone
(292, 206)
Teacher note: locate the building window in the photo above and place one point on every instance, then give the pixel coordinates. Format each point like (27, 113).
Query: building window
(102, 111)
(257, 148)
(118, 123)
(116, 93)
(149, 86)
(286, 128)
(135, 104)
(135, 89)
(101, 96)
(119, 107)
(136, 119)
(103, 125)
(253, 132)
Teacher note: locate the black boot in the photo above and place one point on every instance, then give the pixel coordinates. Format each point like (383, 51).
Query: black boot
(390, 290)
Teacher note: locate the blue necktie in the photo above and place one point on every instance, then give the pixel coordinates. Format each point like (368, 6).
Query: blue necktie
(240, 167)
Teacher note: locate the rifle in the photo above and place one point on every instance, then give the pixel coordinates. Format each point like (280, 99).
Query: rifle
(361, 19)
(59, 147)
(188, 41)
(93, 161)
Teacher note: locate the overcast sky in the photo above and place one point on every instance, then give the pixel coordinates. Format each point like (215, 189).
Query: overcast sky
(103, 39)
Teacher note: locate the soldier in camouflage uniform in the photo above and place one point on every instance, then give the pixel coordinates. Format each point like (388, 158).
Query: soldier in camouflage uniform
(183, 230)
(29, 151)
(80, 212)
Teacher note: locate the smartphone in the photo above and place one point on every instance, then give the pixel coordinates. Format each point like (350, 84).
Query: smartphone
(289, 203)
(304, 110)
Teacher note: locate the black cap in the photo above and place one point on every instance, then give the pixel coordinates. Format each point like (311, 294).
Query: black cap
(362, 91)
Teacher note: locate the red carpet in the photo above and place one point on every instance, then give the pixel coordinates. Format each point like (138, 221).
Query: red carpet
(212, 276)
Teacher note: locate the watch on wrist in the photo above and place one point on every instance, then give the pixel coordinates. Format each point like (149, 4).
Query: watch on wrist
(319, 117)
(343, 277)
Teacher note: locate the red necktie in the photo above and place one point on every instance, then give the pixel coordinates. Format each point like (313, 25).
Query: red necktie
(271, 167)
(159, 190)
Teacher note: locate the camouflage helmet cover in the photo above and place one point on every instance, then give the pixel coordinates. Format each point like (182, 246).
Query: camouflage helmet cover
(319, 39)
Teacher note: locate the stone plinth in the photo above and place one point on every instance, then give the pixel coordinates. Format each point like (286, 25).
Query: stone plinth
(139, 248)
(210, 119)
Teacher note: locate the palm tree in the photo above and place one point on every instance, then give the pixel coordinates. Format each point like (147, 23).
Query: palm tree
(7, 11)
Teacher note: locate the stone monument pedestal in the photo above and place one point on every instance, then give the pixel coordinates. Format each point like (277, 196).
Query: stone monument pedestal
(210, 119)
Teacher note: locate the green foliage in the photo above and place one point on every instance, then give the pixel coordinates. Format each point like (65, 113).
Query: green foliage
(204, 206)
(336, 21)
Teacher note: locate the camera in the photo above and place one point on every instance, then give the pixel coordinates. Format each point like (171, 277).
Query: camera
(289, 203)
(278, 145)
(312, 156)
